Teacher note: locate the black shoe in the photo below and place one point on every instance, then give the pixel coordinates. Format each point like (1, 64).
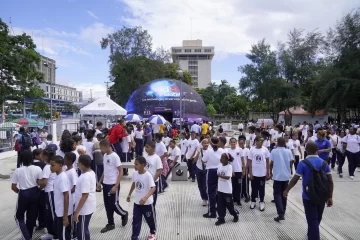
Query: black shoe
(247, 200)
(236, 218)
(219, 222)
(239, 203)
(38, 228)
(278, 219)
(107, 228)
(193, 180)
(189, 177)
(273, 201)
(124, 219)
(206, 215)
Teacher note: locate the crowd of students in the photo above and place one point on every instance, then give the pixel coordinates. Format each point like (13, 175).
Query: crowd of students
(57, 184)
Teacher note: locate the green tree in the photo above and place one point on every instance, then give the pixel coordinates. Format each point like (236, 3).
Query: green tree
(41, 108)
(171, 71)
(18, 65)
(70, 107)
(210, 109)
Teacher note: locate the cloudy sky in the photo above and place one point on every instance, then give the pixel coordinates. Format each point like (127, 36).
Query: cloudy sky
(69, 31)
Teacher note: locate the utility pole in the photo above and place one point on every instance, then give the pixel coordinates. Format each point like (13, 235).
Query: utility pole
(107, 88)
(91, 95)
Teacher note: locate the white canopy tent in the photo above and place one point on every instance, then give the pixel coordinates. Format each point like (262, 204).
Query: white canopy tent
(103, 106)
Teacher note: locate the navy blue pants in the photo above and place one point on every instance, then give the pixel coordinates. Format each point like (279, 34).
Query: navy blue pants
(313, 213)
(333, 158)
(191, 164)
(353, 161)
(42, 209)
(148, 211)
(155, 194)
(296, 162)
(125, 157)
(27, 204)
(341, 160)
(280, 202)
(117, 148)
(236, 185)
(201, 181)
(258, 188)
(139, 148)
(162, 183)
(211, 179)
(111, 202)
(225, 201)
(93, 166)
(50, 214)
(99, 171)
(245, 185)
(64, 233)
(82, 227)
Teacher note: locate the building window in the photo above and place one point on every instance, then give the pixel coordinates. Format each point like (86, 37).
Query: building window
(193, 62)
(197, 50)
(187, 50)
(193, 68)
(207, 49)
(177, 50)
(193, 73)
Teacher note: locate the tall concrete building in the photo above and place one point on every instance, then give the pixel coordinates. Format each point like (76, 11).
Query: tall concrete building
(196, 59)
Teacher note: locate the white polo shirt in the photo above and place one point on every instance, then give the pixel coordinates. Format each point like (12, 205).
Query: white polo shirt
(111, 172)
(174, 152)
(212, 158)
(61, 185)
(26, 176)
(50, 177)
(153, 163)
(192, 145)
(245, 154)
(143, 183)
(139, 134)
(160, 149)
(183, 146)
(72, 177)
(86, 183)
(199, 162)
(352, 142)
(296, 145)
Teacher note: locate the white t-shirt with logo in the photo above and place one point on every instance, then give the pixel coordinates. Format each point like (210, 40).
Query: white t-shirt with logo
(125, 142)
(72, 177)
(174, 152)
(50, 177)
(166, 140)
(192, 145)
(296, 145)
(153, 163)
(160, 149)
(61, 185)
(212, 158)
(289, 145)
(143, 183)
(224, 185)
(236, 163)
(258, 157)
(111, 164)
(86, 183)
(139, 134)
(89, 146)
(183, 146)
(26, 176)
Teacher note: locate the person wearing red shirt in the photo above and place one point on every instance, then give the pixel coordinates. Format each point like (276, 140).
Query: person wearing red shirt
(116, 134)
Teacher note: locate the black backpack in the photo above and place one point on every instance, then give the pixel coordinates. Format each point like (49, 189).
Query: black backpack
(318, 186)
(26, 141)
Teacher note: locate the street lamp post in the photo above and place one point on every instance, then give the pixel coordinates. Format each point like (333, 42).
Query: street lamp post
(181, 74)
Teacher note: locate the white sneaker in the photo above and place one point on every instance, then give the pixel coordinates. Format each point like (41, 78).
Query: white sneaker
(352, 177)
(204, 203)
(252, 205)
(358, 169)
(262, 206)
(152, 237)
(47, 237)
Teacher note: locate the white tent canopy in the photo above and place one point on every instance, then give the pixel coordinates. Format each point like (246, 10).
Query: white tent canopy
(103, 106)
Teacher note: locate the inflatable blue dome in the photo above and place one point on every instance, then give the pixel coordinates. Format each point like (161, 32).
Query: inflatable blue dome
(162, 96)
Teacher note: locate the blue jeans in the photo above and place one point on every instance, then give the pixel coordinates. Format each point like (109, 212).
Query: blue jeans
(313, 213)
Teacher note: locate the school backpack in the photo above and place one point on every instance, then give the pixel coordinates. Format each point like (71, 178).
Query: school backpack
(37, 140)
(26, 141)
(318, 186)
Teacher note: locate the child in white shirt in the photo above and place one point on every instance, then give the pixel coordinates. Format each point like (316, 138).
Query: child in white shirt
(144, 186)
(224, 193)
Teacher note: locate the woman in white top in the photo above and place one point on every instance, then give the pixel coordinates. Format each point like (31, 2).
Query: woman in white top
(352, 146)
(259, 168)
(333, 141)
(340, 152)
(238, 167)
(267, 137)
(212, 160)
(139, 140)
(201, 169)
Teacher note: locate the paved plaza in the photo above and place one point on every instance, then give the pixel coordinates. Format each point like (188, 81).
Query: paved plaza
(179, 215)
